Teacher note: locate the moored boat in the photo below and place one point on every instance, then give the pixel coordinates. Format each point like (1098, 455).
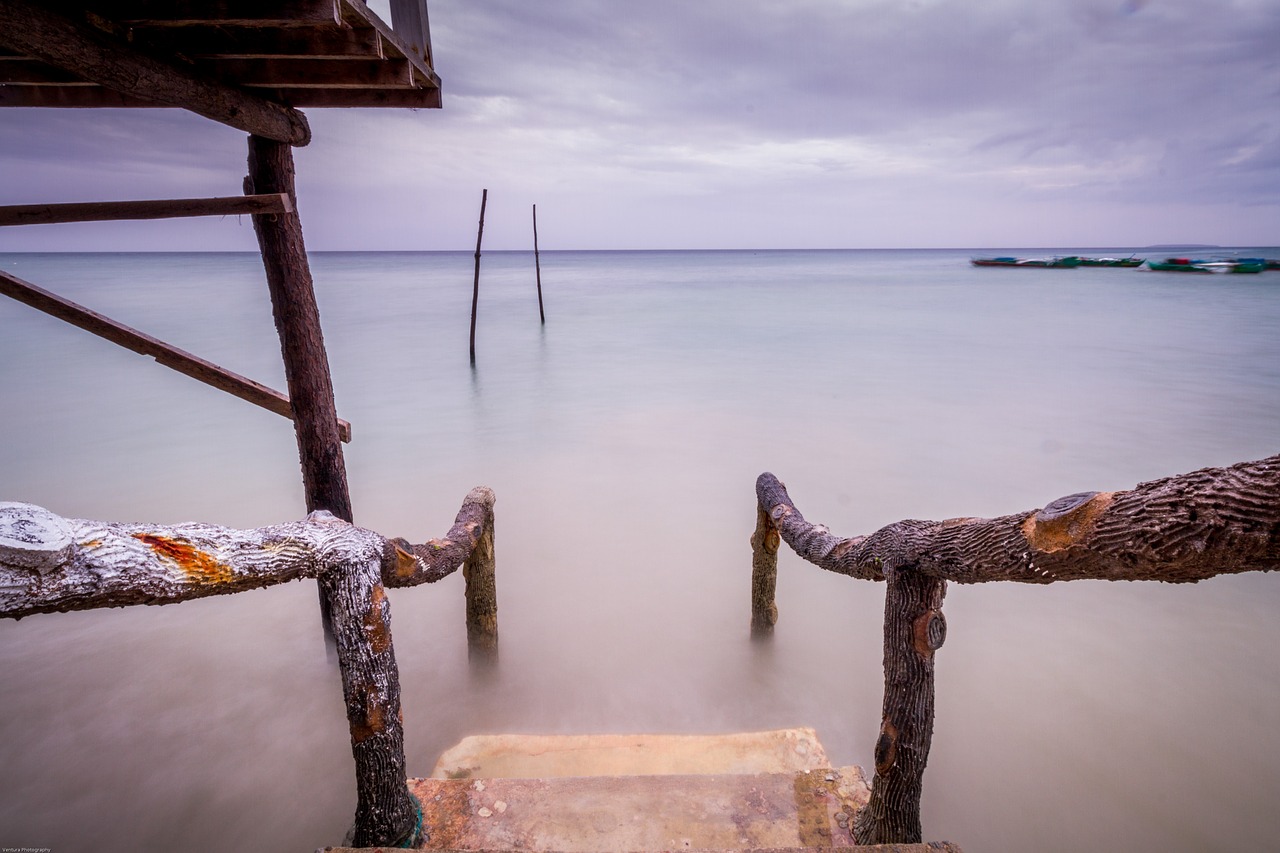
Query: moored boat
(1060, 263)
(1178, 265)
(1112, 262)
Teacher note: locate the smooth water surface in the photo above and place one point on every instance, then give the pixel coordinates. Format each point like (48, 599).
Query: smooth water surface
(623, 439)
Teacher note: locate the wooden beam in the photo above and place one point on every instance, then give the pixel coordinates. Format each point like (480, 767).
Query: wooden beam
(355, 73)
(197, 41)
(237, 13)
(33, 72)
(336, 98)
(297, 319)
(31, 29)
(143, 344)
(99, 211)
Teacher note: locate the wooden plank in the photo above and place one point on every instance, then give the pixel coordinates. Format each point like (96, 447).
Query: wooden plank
(389, 98)
(92, 96)
(198, 41)
(357, 14)
(33, 72)
(86, 52)
(312, 73)
(73, 96)
(241, 13)
(409, 22)
(144, 344)
(99, 211)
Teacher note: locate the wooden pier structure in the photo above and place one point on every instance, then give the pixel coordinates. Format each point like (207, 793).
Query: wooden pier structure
(251, 64)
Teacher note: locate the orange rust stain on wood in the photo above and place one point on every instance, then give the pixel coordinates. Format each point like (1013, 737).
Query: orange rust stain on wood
(406, 564)
(1071, 529)
(372, 722)
(198, 566)
(375, 625)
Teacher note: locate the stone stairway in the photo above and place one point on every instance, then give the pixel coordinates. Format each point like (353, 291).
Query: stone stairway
(625, 793)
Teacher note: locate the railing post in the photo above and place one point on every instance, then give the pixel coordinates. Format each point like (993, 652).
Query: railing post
(764, 574)
(482, 597)
(386, 813)
(914, 628)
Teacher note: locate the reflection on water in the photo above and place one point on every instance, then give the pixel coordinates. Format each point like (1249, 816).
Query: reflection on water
(623, 440)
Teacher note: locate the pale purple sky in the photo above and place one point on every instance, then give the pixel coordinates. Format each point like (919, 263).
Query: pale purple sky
(742, 124)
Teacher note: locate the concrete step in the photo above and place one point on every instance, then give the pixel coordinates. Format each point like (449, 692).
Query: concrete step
(577, 814)
(543, 756)
(756, 791)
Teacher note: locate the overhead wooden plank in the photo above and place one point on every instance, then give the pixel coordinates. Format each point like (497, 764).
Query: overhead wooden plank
(240, 13)
(311, 73)
(84, 96)
(31, 29)
(33, 72)
(325, 98)
(143, 344)
(357, 14)
(101, 211)
(197, 41)
(90, 96)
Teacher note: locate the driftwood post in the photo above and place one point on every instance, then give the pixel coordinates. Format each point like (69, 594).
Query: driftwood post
(1179, 529)
(537, 265)
(475, 287)
(914, 629)
(52, 564)
(764, 574)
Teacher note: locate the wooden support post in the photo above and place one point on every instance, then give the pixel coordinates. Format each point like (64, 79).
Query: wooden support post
(537, 265)
(297, 318)
(385, 810)
(143, 344)
(764, 574)
(475, 290)
(914, 628)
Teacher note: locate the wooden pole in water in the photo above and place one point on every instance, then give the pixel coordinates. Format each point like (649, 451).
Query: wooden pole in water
(353, 605)
(475, 289)
(538, 266)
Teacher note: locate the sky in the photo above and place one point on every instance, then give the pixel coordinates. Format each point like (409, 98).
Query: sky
(740, 124)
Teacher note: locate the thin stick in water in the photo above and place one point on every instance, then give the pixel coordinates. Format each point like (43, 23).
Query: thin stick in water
(538, 266)
(475, 291)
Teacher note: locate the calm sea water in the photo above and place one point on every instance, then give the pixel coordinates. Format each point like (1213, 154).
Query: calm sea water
(623, 439)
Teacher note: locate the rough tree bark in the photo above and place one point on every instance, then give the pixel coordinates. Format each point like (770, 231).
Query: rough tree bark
(1178, 529)
(1185, 528)
(49, 564)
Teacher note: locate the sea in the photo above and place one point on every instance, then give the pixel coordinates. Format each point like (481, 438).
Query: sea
(623, 438)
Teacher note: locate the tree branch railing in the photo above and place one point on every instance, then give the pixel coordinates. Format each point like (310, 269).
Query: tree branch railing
(53, 564)
(1179, 529)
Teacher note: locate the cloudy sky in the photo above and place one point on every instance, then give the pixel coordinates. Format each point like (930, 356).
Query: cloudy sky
(743, 124)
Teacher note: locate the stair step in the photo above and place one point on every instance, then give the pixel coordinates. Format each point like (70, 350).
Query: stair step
(544, 756)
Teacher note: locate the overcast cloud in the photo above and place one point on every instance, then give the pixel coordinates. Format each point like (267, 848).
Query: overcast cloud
(731, 123)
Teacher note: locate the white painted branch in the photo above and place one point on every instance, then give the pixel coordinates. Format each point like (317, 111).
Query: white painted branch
(51, 564)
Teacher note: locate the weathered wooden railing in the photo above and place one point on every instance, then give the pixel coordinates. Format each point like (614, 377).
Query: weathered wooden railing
(53, 564)
(1185, 528)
